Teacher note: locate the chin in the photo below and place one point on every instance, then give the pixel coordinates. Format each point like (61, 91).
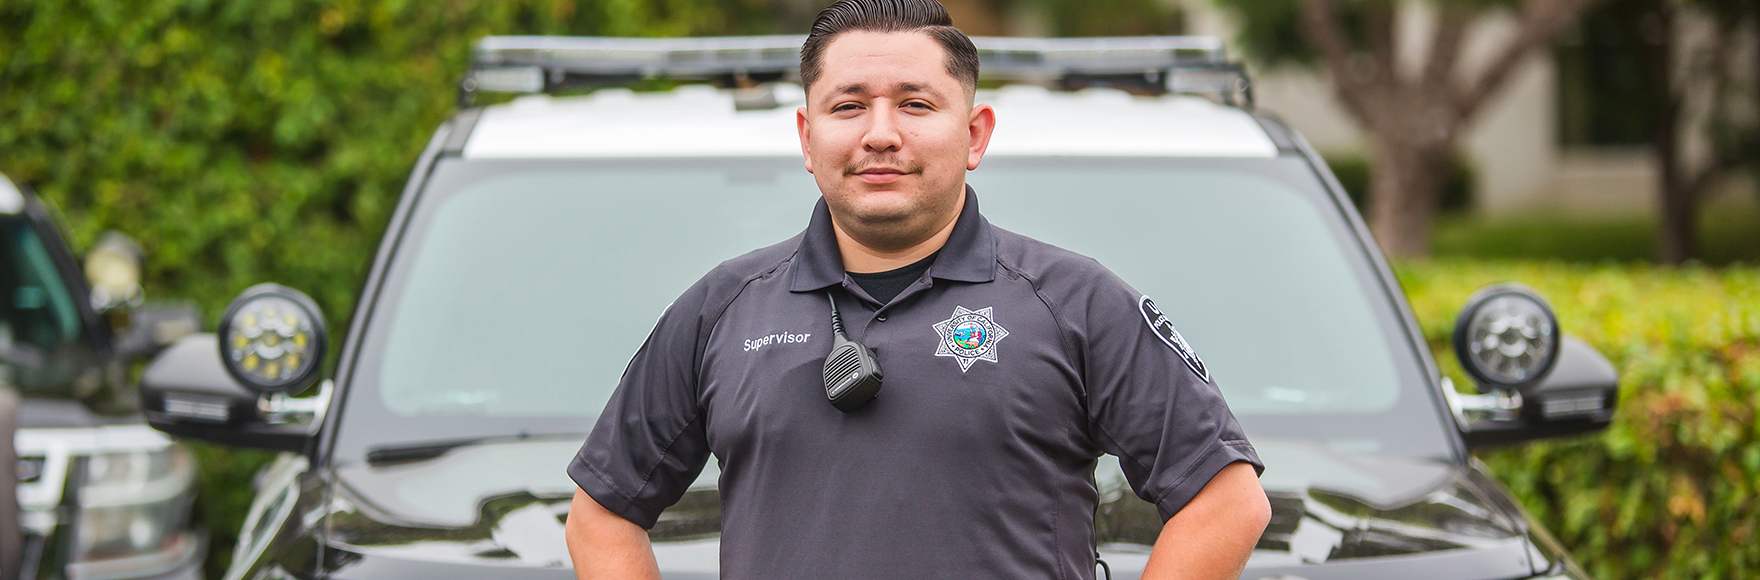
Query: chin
(880, 214)
(880, 206)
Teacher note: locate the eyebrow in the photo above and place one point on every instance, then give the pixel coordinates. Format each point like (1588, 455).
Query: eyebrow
(905, 87)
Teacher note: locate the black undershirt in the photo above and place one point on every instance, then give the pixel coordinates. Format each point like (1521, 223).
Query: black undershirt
(884, 286)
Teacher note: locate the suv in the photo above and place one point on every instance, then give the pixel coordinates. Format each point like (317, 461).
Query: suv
(101, 495)
(538, 240)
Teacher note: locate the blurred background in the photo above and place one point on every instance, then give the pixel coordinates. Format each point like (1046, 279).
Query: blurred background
(1603, 151)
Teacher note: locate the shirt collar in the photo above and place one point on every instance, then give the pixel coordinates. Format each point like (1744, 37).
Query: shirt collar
(968, 256)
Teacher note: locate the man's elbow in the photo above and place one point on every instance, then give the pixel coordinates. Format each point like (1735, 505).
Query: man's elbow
(588, 522)
(1249, 506)
(603, 544)
(1256, 509)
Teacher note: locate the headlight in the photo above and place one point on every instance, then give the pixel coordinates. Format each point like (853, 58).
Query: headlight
(134, 504)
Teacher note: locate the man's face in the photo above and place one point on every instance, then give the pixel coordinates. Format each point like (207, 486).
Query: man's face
(888, 133)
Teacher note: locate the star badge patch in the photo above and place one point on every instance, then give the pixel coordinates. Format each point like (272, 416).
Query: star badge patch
(968, 336)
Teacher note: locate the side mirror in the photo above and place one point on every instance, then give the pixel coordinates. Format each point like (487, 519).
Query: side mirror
(113, 267)
(232, 388)
(1537, 382)
(156, 325)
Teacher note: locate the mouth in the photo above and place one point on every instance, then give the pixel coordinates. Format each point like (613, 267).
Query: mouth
(880, 175)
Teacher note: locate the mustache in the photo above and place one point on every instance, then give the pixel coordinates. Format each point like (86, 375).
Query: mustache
(890, 162)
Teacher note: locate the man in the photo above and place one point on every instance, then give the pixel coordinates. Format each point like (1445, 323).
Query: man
(1009, 366)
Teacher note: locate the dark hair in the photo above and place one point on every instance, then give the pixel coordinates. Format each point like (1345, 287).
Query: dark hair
(927, 16)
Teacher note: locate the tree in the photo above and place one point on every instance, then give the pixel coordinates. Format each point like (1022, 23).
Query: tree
(1413, 116)
(1699, 102)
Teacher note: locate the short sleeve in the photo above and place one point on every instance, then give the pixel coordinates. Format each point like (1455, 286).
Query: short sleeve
(1151, 400)
(649, 443)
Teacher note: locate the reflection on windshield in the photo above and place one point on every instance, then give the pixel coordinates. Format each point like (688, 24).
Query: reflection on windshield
(1244, 266)
(527, 286)
(531, 291)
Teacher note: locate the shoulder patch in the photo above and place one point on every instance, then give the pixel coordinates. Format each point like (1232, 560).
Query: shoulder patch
(1164, 329)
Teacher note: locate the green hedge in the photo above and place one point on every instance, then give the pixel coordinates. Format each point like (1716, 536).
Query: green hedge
(1669, 490)
(252, 141)
(1729, 234)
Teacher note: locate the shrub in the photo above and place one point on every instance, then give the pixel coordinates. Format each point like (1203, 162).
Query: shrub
(1729, 233)
(243, 142)
(259, 141)
(1668, 491)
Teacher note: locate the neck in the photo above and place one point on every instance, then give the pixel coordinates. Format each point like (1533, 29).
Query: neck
(863, 258)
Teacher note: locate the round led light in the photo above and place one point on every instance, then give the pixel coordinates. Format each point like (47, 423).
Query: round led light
(1507, 337)
(272, 339)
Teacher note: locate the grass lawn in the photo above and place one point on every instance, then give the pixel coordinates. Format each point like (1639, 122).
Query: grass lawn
(1729, 234)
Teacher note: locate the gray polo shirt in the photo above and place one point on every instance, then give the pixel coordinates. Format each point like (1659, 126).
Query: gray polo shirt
(1010, 366)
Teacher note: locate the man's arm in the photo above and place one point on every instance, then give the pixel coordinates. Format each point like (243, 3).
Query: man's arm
(603, 545)
(1211, 537)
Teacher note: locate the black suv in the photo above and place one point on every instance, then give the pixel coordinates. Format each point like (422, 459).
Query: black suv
(100, 494)
(538, 240)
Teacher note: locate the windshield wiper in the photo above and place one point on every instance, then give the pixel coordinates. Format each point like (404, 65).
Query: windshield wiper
(393, 455)
(423, 451)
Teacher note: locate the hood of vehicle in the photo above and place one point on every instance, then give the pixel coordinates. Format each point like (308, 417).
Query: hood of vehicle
(1344, 515)
(502, 506)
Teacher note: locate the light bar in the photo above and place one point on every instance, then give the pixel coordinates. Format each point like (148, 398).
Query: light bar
(641, 57)
(530, 64)
(1011, 58)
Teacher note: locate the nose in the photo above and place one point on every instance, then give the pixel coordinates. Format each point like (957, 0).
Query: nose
(882, 134)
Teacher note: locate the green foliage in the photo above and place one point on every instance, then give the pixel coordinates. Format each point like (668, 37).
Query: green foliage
(1669, 491)
(223, 497)
(1270, 31)
(252, 141)
(1353, 172)
(243, 142)
(1111, 17)
(1728, 234)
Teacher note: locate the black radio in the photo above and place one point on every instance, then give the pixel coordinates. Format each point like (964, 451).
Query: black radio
(852, 371)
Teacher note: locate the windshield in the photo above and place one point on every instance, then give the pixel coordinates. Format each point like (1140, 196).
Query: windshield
(43, 342)
(522, 288)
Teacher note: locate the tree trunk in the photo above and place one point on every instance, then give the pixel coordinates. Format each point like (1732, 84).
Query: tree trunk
(1403, 191)
(1677, 239)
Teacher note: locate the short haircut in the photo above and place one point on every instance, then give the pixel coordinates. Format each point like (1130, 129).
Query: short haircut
(927, 16)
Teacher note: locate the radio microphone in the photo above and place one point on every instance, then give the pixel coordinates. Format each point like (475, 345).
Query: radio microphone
(852, 371)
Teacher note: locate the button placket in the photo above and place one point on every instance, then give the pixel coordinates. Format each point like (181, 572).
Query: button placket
(921, 285)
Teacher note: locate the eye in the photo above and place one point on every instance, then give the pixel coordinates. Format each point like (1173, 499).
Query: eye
(845, 107)
(918, 105)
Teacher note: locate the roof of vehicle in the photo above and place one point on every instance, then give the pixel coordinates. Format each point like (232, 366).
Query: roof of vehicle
(703, 121)
(11, 199)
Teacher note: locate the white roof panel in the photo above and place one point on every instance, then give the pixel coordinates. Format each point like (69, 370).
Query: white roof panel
(11, 200)
(701, 121)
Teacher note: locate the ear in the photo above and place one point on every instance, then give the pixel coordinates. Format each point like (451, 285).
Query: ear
(981, 124)
(801, 126)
